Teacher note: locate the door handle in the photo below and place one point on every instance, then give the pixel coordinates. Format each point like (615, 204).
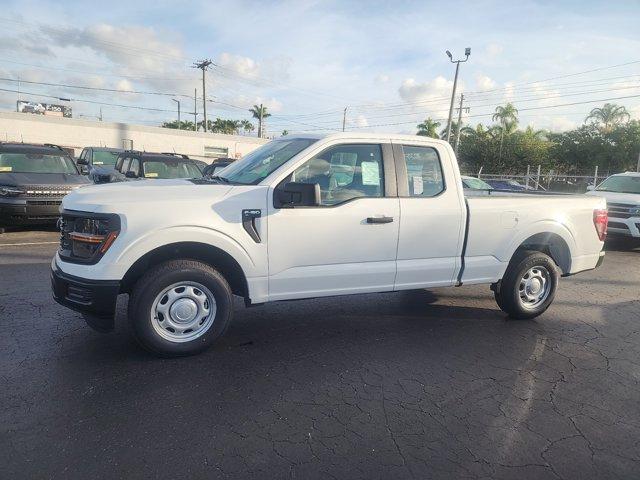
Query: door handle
(379, 219)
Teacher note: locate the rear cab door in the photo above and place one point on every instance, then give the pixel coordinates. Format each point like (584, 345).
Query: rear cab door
(433, 214)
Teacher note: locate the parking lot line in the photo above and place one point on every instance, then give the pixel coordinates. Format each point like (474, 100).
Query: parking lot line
(25, 243)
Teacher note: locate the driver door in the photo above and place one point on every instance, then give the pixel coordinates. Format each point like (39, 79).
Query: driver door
(348, 243)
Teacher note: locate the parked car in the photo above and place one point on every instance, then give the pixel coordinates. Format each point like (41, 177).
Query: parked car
(134, 165)
(506, 184)
(217, 165)
(98, 162)
(622, 192)
(33, 180)
(311, 216)
(474, 183)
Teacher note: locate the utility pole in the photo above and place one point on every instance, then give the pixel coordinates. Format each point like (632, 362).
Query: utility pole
(178, 102)
(100, 117)
(460, 122)
(260, 122)
(195, 109)
(467, 52)
(344, 118)
(203, 65)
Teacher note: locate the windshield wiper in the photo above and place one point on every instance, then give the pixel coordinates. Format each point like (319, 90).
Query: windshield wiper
(218, 177)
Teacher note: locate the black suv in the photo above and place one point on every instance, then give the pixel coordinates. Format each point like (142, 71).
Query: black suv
(98, 162)
(33, 180)
(132, 165)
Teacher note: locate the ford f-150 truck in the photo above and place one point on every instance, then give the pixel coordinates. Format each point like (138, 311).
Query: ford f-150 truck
(311, 216)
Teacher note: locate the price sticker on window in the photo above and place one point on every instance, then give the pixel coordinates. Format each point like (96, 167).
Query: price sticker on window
(370, 173)
(6, 169)
(151, 175)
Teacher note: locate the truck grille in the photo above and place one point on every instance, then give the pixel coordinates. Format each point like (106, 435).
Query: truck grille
(49, 191)
(623, 210)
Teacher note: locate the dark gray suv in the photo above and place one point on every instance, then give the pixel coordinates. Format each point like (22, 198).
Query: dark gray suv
(33, 180)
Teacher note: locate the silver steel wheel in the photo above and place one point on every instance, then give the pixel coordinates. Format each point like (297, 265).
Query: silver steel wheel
(534, 288)
(183, 311)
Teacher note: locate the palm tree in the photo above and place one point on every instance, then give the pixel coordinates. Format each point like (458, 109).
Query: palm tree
(609, 116)
(507, 116)
(285, 133)
(259, 112)
(428, 128)
(247, 126)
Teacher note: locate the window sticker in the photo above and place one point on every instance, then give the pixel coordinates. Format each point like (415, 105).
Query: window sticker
(418, 185)
(151, 175)
(370, 173)
(98, 163)
(6, 169)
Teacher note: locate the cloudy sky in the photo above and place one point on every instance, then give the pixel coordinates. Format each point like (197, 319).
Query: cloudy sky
(308, 60)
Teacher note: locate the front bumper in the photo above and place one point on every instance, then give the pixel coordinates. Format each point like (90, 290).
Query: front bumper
(628, 227)
(96, 299)
(21, 211)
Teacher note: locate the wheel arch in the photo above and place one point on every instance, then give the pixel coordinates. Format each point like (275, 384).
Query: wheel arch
(209, 254)
(549, 243)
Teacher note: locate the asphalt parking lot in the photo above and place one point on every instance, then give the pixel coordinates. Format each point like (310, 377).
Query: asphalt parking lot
(388, 386)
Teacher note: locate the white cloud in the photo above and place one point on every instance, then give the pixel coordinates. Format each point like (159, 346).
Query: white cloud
(483, 82)
(124, 85)
(412, 91)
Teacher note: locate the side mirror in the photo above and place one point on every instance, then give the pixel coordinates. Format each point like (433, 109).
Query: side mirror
(130, 174)
(82, 161)
(296, 194)
(590, 188)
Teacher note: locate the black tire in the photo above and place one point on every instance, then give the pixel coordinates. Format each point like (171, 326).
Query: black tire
(507, 292)
(162, 276)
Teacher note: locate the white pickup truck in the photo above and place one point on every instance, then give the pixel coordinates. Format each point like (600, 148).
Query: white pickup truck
(311, 216)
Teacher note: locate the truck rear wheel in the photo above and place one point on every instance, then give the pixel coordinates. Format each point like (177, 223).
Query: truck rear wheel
(528, 285)
(179, 308)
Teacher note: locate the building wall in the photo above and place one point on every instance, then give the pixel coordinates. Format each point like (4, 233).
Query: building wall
(77, 134)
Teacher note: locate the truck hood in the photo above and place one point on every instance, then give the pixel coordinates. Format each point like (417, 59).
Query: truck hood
(615, 197)
(114, 197)
(19, 179)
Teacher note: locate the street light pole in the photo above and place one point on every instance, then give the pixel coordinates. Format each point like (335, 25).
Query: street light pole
(344, 118)
(467, 52)
(178, 102)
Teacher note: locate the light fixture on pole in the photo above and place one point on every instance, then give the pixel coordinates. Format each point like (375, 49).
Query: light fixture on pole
(178, 102)
(467, 52)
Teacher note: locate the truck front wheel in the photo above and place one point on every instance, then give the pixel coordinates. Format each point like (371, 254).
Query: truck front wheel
(180, 307)
(528, 285)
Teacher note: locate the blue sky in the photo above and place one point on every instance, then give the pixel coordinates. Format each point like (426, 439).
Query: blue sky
(307, 60)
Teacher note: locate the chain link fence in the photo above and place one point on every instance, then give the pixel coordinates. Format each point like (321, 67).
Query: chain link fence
(550, 181)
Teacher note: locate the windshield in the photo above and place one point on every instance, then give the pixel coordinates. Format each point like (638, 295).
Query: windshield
(170, 169)
(260, 163)
(35, 163)
(105, 158)
(476, 184)
(620, 184)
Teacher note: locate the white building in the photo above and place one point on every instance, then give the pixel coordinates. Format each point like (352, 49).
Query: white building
(77, 134)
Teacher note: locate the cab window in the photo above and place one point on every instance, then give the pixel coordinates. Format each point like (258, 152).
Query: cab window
(344, 172)
(424, 172)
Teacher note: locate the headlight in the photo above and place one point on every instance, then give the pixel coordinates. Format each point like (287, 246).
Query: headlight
(86, 239)
(8, 191)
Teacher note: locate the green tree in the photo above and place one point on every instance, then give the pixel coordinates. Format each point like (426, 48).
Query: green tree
(260, 113)
(507, 116)
(284, 133)
(608, 116)
(247, 126)
(183, 125)
(428, 128)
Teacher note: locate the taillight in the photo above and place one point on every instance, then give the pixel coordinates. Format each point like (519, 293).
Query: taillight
(600, 220)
